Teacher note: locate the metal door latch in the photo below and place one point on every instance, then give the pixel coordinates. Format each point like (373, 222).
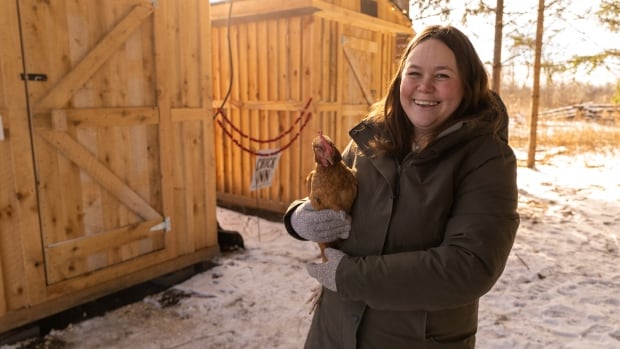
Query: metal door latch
(34, 77)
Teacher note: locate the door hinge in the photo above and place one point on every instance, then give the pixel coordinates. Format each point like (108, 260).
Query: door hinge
(165, 225)
(34, 77)
(1, 129)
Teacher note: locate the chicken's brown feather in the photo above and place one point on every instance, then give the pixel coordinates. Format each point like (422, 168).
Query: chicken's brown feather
(331, 185)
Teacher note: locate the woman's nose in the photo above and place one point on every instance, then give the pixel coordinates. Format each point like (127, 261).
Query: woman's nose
(425, 84)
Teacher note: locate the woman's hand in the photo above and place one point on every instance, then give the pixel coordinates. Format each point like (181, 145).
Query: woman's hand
(322, 225)
(325, 273)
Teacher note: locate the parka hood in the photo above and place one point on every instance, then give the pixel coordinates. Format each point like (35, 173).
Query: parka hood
(364, 132)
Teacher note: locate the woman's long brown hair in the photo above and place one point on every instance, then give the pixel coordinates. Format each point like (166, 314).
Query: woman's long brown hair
(477, 103)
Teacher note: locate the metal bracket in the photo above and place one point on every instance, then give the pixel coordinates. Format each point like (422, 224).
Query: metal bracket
(165, 226)
(34, 77)
(1, 129)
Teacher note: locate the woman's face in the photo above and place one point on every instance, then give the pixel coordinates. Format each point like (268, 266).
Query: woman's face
(431, 88)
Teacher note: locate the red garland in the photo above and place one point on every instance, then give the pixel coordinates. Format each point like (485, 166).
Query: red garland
(243, 135)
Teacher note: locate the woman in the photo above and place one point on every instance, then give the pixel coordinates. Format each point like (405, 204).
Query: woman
(435, 216)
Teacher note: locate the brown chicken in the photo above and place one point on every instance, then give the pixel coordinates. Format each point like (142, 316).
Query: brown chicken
(331, 185)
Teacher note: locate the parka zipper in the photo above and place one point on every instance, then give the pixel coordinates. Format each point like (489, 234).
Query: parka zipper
(396, 192)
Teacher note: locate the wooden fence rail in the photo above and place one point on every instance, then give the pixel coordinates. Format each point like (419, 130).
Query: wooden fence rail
(602, 112)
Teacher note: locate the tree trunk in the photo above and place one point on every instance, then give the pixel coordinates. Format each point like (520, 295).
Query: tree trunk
(531, 153)
(497, 50)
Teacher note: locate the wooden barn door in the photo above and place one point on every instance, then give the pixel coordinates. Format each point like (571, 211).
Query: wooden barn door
(362, 70)
(359, 79)
(90, 72)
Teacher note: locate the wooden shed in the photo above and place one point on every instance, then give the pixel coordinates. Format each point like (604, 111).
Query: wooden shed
(106, 156)
(323, 62)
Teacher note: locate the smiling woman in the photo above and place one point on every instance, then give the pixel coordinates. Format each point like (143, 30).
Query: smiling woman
(431, 228)
(431, 88)
(436, 92)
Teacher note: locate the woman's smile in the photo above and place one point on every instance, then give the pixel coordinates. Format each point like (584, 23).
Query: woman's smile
(431, 88)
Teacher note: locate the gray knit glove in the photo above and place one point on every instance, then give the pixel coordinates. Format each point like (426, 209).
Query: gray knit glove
(325, 273)
(320, 225)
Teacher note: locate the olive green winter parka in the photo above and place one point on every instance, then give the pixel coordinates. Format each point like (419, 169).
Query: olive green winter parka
(430, 235)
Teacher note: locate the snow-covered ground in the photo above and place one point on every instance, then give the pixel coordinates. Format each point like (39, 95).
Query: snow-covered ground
(560, 289)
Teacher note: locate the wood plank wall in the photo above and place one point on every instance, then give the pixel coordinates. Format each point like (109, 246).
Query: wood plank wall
(18, 205)
(123, 138)
(279, 62)
(267, 96)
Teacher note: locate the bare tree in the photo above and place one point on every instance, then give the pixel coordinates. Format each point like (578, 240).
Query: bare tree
(609, 14)
(531, 153)
(497, 48)
(429, 8)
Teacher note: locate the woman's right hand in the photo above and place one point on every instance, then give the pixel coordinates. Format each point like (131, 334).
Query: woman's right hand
(320, 225)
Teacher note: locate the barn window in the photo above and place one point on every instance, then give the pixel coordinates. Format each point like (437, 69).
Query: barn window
(369, 7)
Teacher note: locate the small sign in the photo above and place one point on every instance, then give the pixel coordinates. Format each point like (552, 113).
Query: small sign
(264, 169)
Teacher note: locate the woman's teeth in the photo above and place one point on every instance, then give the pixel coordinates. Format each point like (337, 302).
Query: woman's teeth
(425, 103)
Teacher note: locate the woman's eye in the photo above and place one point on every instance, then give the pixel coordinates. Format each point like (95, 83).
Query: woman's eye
(441, 76)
